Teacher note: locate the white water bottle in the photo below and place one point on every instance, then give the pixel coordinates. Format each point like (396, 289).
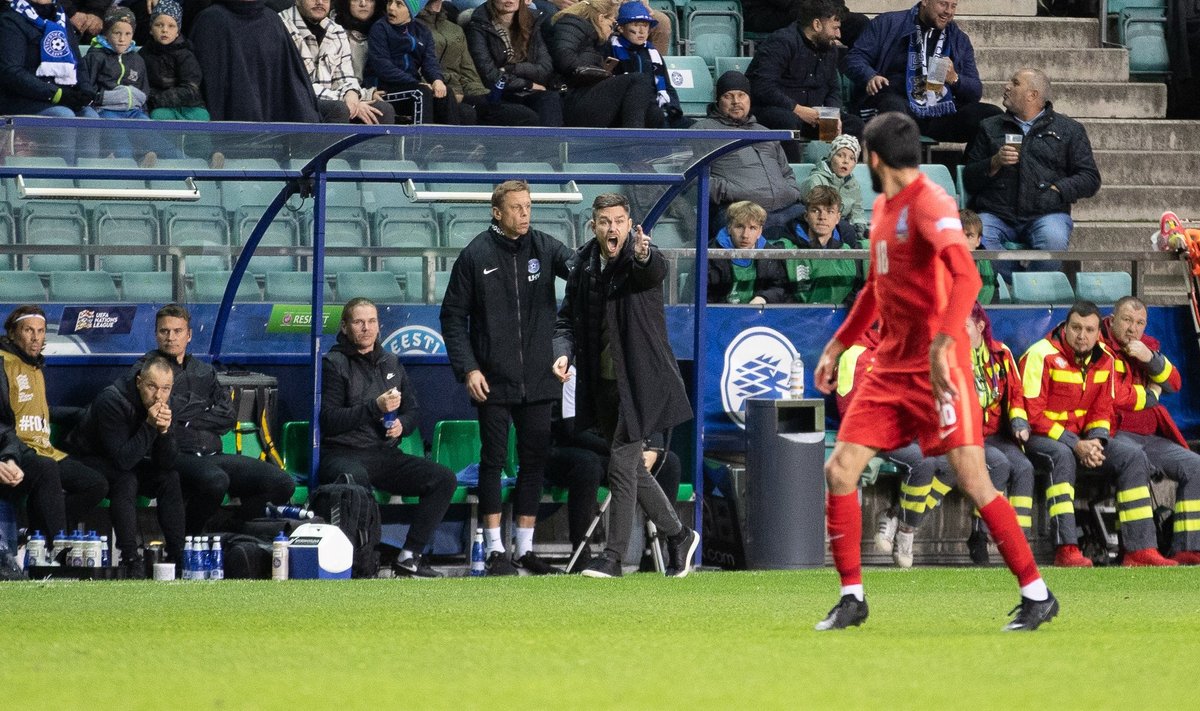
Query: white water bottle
(218, 560)
(796, 382)
(35, 550)
(189, 559)
(279, 557)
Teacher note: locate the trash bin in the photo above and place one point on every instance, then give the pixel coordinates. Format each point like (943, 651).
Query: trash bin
(785, 484)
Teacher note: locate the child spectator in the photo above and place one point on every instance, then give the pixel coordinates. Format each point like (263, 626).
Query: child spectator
(402, 56)
(635, 54)
(744, 281)
(821, 281)
(118, 74)
(172, 68)
(837, 171)
(972, 227)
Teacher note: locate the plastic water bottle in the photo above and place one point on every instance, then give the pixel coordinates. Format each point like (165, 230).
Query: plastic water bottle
(217, 570)
(77, 553)
(796, 382)
(59, 545)
(390, 420)
(279, 557)
(105, 555)
(35, 550)
(203, 559)
(497, 92)
(91, 551)
(478, 569)
(189, 559)
(298, 513)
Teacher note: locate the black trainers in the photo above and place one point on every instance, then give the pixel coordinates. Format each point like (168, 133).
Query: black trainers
(414, 567)
(498, 564)
(681, 549)
(849, 612)
(977, 546)
(585, 558)
(535, 565)
(604, 565)
(1031, 614)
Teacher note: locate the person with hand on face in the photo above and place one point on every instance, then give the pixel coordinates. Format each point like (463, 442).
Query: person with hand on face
(127, 434)
(613, 327)
(498, 323)
(756, 282)
(361, 383)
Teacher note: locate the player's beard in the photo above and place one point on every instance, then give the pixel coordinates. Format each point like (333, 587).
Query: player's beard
(876, 181)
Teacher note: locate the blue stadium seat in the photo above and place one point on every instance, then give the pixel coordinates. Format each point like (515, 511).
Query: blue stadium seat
(693, 82)
(54, 223)
(209, 287)
(815, 151)
(292, 288)
(802, 171)
(147, 287)
(940, 174)
(345, 227)
(380, 287)
(126, 224)
(83, 287)
(1041, 288)
(730, 64)
(21, 288)
(1103, 287)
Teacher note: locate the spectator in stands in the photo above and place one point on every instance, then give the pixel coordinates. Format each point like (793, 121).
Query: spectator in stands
(172, 70)
(837, 171)
(401, 54)
(35, 466)
(891, 60)
(767, 16)
(87, 17)
(505, 39)
(128, 434)
(595, 96)
(821, 281)
(40, 70)
(760, 172)
(361, 384)
(251, 69)
(1025, 168)
(356, 17)
(498, 320)
(1143, 374)
(634, 53)
(660, 34)
(612, 325)
(202, 410)
(1068, 381)
(325, 49)
(744, 281)
(973, 229)
(476, 105)
(794, 73)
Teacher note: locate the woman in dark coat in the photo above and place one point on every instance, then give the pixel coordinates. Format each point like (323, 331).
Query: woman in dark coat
(505, 39)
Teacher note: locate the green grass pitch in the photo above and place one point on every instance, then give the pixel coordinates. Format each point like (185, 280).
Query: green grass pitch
(1126, 639)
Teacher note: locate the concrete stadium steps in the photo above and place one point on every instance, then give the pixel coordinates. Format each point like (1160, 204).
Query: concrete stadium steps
(1002, 8)
(1141, 135)
(1162, 282)
(1125, 167)
(1044, 32)
(1062, 65)
(1098, 99)
(1138, 203)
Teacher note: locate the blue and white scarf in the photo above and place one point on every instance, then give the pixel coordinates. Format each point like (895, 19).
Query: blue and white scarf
(925, 104)
(58, 61)
(726, 242)
(620, 49)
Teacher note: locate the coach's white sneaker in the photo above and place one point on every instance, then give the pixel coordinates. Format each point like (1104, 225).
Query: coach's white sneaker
(886, 531)
(902, 553)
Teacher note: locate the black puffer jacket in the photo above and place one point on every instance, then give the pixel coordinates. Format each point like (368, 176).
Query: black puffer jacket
(21, 90)
(788, 70)
(498, 313)
(201, 408)
(114, 427)
(488, 52)
(573, 44)
(1056, 151)
(350, 383)
(174, 74)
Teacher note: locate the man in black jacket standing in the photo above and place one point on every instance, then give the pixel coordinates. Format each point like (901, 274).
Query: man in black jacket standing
(367, 406)
(203, 410)
(498, 322)
(612, 325)
(128, 435)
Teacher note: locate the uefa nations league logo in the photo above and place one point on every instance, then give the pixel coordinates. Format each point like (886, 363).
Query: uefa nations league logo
(757, 364)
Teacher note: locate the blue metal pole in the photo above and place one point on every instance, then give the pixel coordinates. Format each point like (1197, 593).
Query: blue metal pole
(318, 319)
(698, 338)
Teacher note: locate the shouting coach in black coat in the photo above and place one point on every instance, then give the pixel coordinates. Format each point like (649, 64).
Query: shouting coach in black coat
(612, 324)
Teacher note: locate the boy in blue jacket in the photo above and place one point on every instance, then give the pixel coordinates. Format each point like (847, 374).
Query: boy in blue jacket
(401, 56)
(633, 53)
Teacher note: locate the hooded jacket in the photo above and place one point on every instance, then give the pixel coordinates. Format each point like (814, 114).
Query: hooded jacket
(113, 74)
(401, 56)
(1137, 407)
(350, 383)
(760, 172)
(21, 90)
(450, 45)
(114, 428)
(848, 189)
(498, 313)
(1068, 399)
(201, 408)
(174, 75)
(821, 281)
(770, 277)
(491, 58)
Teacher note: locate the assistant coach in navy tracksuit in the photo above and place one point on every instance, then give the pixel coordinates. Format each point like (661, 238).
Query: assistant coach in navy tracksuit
(498, 321)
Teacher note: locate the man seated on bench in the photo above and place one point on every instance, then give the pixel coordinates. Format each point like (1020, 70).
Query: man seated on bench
(367, 405)
(202, 411)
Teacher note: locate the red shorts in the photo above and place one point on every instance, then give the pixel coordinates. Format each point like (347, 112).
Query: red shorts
(890, 410)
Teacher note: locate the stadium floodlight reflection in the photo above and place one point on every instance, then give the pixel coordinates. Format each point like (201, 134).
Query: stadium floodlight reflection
(412, 193)
(189, 194)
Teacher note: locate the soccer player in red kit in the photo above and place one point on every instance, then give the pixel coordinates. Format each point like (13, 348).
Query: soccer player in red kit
(921, 286)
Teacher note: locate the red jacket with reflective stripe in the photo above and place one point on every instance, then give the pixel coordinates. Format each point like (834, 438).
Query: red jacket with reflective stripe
(1137, 408)
(1067, 400)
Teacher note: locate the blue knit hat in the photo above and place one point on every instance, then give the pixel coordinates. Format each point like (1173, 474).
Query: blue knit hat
(635, 12)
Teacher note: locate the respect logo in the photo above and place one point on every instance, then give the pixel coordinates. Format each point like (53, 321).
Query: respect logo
(297, 318)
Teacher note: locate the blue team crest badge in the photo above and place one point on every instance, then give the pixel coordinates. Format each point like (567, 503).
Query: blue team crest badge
(902, 225)
(54, 45)
(757, 364)
(535, 270)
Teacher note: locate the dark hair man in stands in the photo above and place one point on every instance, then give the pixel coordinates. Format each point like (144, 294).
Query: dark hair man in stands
(42, 470)
(1069, 381)
(202, 411)
(1025, 168)
(1143, 375)
(759, 173)
(612, 325)
(771, 15)
(498, 321)
(794, 71)
(892, 57)
(360, 384)
(128, 433)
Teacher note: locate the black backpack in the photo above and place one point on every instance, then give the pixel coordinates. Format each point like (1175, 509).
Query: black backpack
(246, 557)
(353, 509)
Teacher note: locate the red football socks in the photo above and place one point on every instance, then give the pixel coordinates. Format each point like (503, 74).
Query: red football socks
(1001, 520)
(844, 522)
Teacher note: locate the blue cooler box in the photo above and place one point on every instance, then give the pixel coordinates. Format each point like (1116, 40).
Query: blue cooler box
(319, 551)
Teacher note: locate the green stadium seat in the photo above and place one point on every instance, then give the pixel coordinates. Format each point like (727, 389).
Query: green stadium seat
(815, 152)
(209, 287)
(83, 287)
(8, 236)
(712, 28)
(414, 287)
(1041, 288)
(940, 174)
(147, 287)
(284, 231)
(345, 227)
(802, 171)
(126, 224)
(668, 7)
(405, 226)
(1003, 296)
(380, 287)
(441, 280)
(55, 223)
(236, 194)
(198, 226)
(464, 222)
(863, 175)
(337, 193)
(292, 288)
(21, 288)
(455, 443)
(730, 64)
(963, 197)
(33, 162)
(693, 82)
(1145, 34)
(377, 195)
(1103, 287)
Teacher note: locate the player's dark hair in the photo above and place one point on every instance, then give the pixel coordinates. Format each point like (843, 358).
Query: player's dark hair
(155, 363)
(818, 10)
(173, 311)
(10, 323)
(895, 138)
(508, 186)
(823, 196)
(1132, 301)
(970, 218)
(1084, 308)
(607, 200)
(354, 304)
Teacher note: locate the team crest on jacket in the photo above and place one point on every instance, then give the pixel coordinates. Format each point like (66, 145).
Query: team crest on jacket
(757, 365)
(535, 269)
(902, 225)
